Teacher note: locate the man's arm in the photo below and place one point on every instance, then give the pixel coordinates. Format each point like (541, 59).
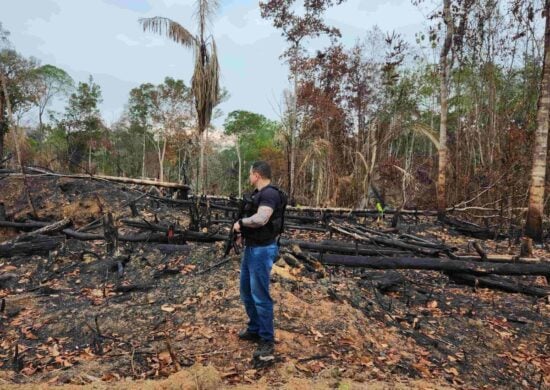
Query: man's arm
(259, 219)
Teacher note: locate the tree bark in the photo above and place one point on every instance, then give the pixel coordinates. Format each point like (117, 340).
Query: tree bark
(31, 245)
(143, 153)
(240, 167)
(111, 234)
(201, 179)
(444, 76)
(342, 248)
(50, 228)
(499, 284)
(436, 264)
(2, 135)
(3, 125)
(533, 223)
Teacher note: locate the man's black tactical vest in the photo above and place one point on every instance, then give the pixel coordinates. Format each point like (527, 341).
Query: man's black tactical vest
(266, 234)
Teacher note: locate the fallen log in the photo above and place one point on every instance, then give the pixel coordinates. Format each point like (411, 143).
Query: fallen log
(6, 277)
(38, 244)
(498, 284)
(51, 228)
(435, 264)
(133, 288)
(371, 238)
(342, 247)
(140, 237)
(412, 239)
(385, 282)
(499, 258)
(22, 225)
(186, 234)
(472, 230)
(173, 248)
(127, 180)
(308, 228)
(82, 236)
(362, 212)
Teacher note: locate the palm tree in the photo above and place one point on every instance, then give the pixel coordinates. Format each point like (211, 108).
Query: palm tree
(205, 82)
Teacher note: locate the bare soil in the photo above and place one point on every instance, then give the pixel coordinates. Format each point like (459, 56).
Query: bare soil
(66, 322)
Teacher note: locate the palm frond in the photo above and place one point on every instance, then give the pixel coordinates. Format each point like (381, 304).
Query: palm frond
(214, 72)
(168, 27)
(205, 83)
(428, 132)
(197, 85)
(206, 9)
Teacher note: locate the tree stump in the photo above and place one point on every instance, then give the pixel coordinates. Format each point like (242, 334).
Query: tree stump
(110, 233)
(133, 208)
(526, 247)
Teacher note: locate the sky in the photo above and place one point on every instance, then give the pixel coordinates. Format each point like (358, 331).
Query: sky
(103, 38)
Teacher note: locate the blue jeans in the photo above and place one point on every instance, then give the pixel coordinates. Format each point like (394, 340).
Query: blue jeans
(255, 269)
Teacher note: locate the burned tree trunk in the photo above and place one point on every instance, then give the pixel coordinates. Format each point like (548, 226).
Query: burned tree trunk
(499, 284)
(29, 245)
(436, 264)
(444, 71)
(110, 233)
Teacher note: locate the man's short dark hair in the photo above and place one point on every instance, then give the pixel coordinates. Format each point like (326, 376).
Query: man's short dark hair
(262, 168)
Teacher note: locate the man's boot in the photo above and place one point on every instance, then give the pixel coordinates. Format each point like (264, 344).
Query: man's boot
(265, 351)
(250, 336)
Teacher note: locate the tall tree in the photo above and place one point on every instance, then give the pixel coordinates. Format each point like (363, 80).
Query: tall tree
(297, 24)
(17, 73)
(82, 122)
(444, 71)
(252, 132)
(51, 82)
(533, 224)
(140, 106)
(171, 106)
(161, 111)
(205, 82)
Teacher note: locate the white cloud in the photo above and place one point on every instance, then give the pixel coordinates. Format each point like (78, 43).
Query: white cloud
(104, 38)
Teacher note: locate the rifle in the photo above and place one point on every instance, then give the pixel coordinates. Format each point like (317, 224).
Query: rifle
(231, 240)
(230, 243)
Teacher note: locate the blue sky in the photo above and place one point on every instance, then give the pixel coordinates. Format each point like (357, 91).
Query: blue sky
(102, 38)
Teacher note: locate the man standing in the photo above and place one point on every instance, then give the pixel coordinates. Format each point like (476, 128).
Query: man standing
(260, 230)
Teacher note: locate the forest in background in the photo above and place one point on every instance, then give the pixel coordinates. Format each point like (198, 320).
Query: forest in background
(447, 122)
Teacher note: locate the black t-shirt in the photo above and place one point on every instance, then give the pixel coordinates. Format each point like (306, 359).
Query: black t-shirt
(267, 196)
(270, 197)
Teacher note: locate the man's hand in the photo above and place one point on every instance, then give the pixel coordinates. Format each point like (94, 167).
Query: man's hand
(237, 227)
(239, 240)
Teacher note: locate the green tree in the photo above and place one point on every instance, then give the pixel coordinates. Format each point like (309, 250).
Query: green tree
(253, 132)
(16, 84)
(159, 112)
(51, 82)
(140, 106)
(82, 123)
